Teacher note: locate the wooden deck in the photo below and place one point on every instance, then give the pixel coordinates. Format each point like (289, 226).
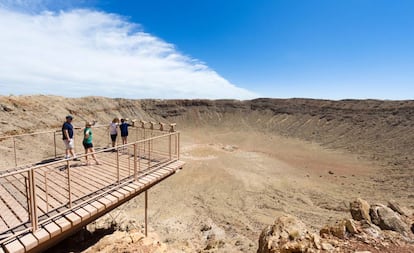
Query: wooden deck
(43, 204)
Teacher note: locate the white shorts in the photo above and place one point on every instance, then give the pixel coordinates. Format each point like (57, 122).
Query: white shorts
(69, 144)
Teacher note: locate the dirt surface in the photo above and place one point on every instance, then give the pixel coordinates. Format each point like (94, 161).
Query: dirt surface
(250, 161)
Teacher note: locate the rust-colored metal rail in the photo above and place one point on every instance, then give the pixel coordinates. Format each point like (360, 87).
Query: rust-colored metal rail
(50, 140)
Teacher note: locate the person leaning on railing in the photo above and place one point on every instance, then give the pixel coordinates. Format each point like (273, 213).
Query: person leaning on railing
(87, 142)
(124, 130)
(67, 136)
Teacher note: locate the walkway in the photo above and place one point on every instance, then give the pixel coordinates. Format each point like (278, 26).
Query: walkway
(42, 204)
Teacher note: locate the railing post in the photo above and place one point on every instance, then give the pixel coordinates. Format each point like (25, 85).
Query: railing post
(129, 161)
(32, 203)
(178, 144)
(136, 133)
(135, 162)
(152, 127)
(117, 164)
(169, 146)
(54, 143)
(69, 188)
(15, 154)
(146, 213)
(149, 153)
(139, 159)
(29, 197)
(46, 192)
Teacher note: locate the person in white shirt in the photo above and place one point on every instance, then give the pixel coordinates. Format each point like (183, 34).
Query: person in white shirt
(113, 130)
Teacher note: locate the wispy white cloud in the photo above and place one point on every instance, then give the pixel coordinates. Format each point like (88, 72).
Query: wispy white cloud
(82, 52)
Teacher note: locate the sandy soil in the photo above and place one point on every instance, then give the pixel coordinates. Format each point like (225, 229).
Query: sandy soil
(235, 183)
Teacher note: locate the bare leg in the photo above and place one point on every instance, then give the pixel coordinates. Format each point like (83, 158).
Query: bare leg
(86, 157)
(72, 152)
(93, 155)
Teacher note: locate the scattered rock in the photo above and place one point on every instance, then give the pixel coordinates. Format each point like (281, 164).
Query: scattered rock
(351, 226)
(360, 210)
(205, 227)
(338, 230)
(327, 246)
(289, 235)
(391, 220)
(214, 243)
(230, 148)
(6, 108)
(396, 207)
(373, 213)
(125, 241)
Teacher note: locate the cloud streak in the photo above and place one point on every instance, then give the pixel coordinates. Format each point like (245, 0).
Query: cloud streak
(83, 52)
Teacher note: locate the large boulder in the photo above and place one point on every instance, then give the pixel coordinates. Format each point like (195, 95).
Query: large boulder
(360, 210)
(390, 220)
(287, 235)
(339, 229)
(132, 241)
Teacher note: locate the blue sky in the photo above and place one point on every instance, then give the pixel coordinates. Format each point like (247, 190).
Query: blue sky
(218, 49)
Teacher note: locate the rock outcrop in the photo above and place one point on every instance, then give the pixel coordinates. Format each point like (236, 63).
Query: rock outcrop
(288, 234)
(376, 228)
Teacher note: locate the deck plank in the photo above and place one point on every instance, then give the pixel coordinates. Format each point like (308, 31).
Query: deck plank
(29, 241)
(3, 225)
(14, 206)
(15, 246)
(73, 218)
(44, 200)
(84, 214)
(91, 209)
(19, 184)
(41, 235)
(98, 205)
(53, 229)
(63, 223)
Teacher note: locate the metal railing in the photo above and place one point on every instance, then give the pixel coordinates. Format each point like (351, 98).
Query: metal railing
(40, 193)
(17, 150)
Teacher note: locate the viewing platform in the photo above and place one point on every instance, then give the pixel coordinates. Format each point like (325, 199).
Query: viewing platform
(42, 203)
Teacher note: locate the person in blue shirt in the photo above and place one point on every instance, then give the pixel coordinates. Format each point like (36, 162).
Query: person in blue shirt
(67, 136)
(124, 131)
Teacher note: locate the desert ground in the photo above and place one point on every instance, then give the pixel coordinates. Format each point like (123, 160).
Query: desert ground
(249, 161)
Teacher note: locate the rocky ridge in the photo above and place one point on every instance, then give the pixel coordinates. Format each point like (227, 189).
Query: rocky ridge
(372, 228)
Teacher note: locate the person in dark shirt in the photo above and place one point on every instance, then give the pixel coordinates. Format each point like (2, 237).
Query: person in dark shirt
(67, 136)
(124, 131)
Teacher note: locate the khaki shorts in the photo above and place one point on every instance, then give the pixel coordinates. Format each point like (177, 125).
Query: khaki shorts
(69, 144)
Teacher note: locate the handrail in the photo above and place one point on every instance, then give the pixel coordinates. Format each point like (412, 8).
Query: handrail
(83, 155)
(53, 151)
(77, 127)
